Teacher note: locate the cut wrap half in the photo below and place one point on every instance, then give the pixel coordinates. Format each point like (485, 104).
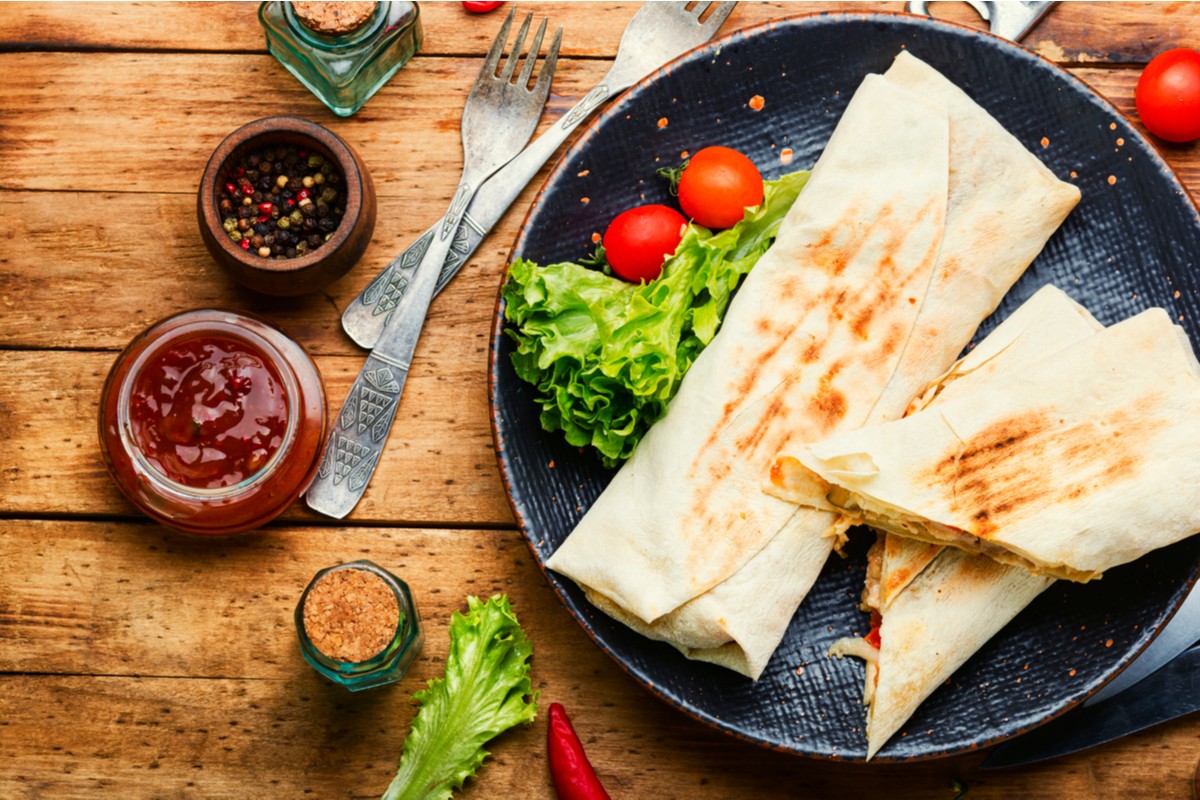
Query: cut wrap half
(1079, 462)
(918, 216)
(933, 607)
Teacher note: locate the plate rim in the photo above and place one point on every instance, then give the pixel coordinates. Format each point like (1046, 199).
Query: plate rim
(586, 132)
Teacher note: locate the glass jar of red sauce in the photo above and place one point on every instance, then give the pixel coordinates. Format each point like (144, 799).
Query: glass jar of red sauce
(213, 421)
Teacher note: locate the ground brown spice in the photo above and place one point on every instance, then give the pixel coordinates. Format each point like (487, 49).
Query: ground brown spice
(351, 614)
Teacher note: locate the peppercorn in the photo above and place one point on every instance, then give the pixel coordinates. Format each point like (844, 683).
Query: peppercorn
(265, 209)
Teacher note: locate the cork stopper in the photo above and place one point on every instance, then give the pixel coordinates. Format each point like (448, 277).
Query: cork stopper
(350, 615)
(330, 18)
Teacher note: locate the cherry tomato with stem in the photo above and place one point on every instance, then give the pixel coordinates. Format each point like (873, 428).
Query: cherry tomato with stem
(1168, 95)
(717, 185)
(640, 239)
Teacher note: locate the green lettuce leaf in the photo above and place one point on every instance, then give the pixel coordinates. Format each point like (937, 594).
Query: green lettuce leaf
(607, 356)
(485, 691)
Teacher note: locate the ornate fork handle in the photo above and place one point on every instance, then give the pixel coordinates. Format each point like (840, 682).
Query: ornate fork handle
(366, 317)
(360, 431)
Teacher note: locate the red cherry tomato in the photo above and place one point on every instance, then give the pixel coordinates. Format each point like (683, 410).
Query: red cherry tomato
(717, 185)
(1168, 95)
(639, 240)
(479, 7)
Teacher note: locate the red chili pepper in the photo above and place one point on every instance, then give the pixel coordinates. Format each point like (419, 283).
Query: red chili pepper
(262, 218)
(574, 778)
(265, 207)
(230, 188)
(245, 244)
(480, 7)
(290, 202)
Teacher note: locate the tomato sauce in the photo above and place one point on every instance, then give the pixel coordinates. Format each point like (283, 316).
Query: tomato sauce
(209, 411)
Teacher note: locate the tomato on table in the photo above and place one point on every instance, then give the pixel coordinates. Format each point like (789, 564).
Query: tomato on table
(480, 7)
(717, 186)
(1168, 95)
(639, 240)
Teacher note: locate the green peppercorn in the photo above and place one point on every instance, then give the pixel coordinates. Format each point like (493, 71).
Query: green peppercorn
(328, 195)
(302, 248)
(284, 223)
(235, 235)
(230, 224)
(296, 217)
(315, 160)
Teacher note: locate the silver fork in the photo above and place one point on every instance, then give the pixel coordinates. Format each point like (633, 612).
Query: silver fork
(499, 117)
(657, 33)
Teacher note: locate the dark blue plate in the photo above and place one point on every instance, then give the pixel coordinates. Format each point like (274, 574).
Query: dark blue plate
(1132, 243)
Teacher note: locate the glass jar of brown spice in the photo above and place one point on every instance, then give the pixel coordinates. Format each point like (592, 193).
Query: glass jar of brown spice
(358, 625)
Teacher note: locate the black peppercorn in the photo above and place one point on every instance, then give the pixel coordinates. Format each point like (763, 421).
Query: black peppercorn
(282, 201)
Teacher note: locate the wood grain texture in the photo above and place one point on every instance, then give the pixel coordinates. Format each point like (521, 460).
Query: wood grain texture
(438, 467)
(1116, 33)
(130, 669)
(135, 662)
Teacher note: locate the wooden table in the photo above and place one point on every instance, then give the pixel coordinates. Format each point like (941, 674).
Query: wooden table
(136, 662)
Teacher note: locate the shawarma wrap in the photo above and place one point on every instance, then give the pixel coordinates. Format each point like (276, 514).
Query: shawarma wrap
(1078, 463)
(898, 247)
(936, 607)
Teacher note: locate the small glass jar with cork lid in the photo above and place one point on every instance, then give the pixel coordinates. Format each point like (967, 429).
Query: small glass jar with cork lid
(358, 625)
(342, 51)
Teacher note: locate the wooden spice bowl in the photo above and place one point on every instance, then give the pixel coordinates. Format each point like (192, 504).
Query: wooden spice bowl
(311, 271)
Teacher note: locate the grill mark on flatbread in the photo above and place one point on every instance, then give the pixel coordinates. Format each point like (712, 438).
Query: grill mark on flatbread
(1011, 466)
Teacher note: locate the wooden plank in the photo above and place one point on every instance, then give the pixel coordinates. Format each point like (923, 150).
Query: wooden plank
(150, 125)
(100, 279)
(138, 663)
(1077, 33)
(438, 466)
(408, 137)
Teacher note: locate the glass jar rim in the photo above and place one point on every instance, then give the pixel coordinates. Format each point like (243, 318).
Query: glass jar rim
(236, 326)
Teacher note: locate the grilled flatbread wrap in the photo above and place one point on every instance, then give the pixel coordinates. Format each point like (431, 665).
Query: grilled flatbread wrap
(938, 606)
(683, 546)
(1076, 464)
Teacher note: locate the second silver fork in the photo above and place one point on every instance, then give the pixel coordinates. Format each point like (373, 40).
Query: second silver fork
(658, 32)
(495, 104)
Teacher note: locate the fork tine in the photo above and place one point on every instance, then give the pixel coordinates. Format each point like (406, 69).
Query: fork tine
(698, 10)
(718, 16)
(542, 87)
(493, 56)
(531, 58)
(510, 64)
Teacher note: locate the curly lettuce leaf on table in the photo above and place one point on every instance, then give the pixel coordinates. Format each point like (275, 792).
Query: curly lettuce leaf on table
(607, 356)
(485, 691)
